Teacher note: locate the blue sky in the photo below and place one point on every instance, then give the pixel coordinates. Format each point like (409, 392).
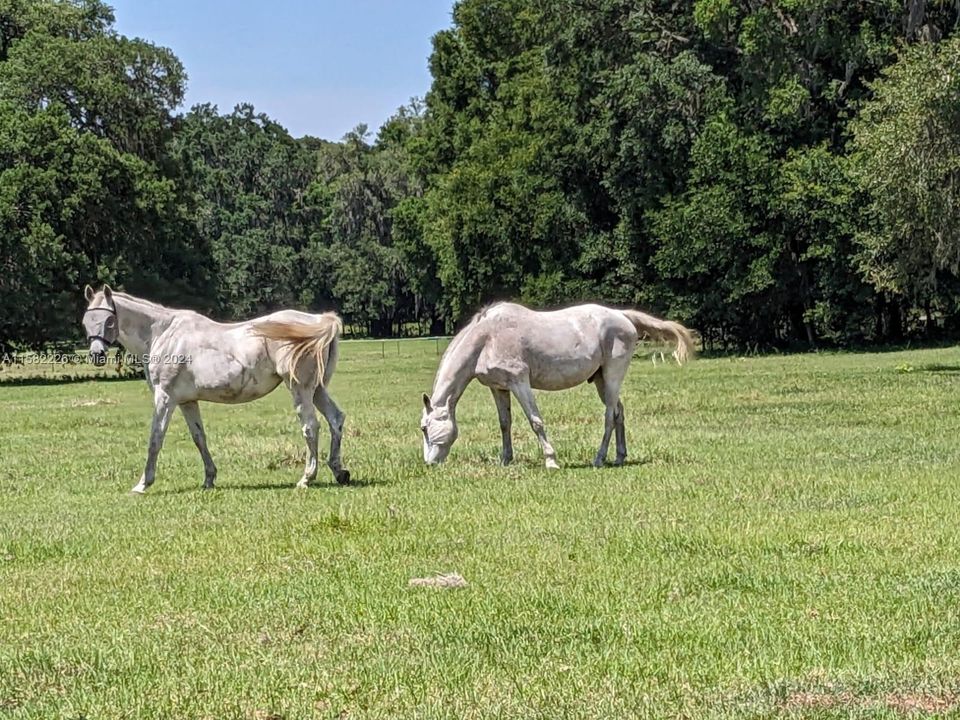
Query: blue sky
(318, 68)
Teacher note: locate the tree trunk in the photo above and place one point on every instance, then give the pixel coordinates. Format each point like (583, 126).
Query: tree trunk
(878, 305)
(381, 328)
(916, 11)
(895, 320)
(800, 326)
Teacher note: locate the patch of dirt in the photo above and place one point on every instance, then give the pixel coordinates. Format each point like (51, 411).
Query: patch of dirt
(290, 458)
(902, 702)
(266, 715)
(448, 581)
(927, 703)
(818, 700)
(92, 403)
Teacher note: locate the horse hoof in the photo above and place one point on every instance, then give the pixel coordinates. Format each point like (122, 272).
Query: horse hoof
(343, 477)
(138, 489)
(303, 485)
(552, 464)
(209, 486)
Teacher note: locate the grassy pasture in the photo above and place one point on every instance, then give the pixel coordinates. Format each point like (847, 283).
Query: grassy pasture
(784, 543)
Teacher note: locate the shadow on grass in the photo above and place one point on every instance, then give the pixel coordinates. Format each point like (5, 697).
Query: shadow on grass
(65, 380)
(609, 465)
(800, 349)
(940, 368)
(529, 464)
(358, 484)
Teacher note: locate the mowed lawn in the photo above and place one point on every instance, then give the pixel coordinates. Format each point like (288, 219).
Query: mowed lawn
(785, 542)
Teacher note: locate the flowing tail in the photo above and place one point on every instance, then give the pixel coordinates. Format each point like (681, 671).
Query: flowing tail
(663, 330)
(305, 339)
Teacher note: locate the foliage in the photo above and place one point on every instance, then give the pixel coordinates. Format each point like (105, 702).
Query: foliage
(248, 179)
(771, 173)
(84, 192)
(907, 162)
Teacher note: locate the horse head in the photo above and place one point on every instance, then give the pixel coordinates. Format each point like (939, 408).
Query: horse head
(100, 322)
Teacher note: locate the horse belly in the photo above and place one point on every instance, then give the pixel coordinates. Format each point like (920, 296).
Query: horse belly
(244, 390)
(546, 374)
(227, 379)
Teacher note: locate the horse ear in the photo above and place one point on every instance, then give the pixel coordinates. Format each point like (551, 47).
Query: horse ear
(426, 403)
(88, 293)
(107, 292)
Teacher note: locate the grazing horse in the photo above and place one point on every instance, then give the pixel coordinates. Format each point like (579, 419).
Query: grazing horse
(512, 349)
(188, 357)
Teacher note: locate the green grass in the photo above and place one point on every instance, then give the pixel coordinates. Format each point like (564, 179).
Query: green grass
(784, 543)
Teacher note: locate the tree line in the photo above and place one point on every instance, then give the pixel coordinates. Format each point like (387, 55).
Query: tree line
(774, 173)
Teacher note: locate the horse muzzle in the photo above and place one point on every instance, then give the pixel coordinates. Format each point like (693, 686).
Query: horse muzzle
(435, 454)
(98, 353)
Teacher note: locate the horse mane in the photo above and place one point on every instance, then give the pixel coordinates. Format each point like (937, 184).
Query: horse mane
(477, 316)
(481, 313)
(140, 301)
(149, 304)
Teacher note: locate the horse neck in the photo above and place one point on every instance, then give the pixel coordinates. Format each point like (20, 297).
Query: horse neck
(457, 368)
(139, 322)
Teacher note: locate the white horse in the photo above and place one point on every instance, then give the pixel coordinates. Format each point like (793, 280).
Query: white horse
(512, 349)
(188, 357)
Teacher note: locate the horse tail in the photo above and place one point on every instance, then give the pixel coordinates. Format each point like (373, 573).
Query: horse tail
(663, 330)
(317, 340)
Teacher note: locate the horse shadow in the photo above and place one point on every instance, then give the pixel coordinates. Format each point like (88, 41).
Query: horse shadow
(537, 464)
(357, 484)
(629, 462)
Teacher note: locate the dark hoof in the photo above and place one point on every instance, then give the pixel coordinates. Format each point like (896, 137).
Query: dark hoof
(343, 477)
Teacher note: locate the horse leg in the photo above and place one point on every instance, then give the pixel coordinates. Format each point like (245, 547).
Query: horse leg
(502, 398)
(191, 413)
(303, 404)
(525, 397)
(621, 434)
(608, 388)
(619, 429)
(163, 407)
(335, 418)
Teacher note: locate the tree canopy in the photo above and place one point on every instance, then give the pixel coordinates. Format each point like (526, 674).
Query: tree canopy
(771, 172)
